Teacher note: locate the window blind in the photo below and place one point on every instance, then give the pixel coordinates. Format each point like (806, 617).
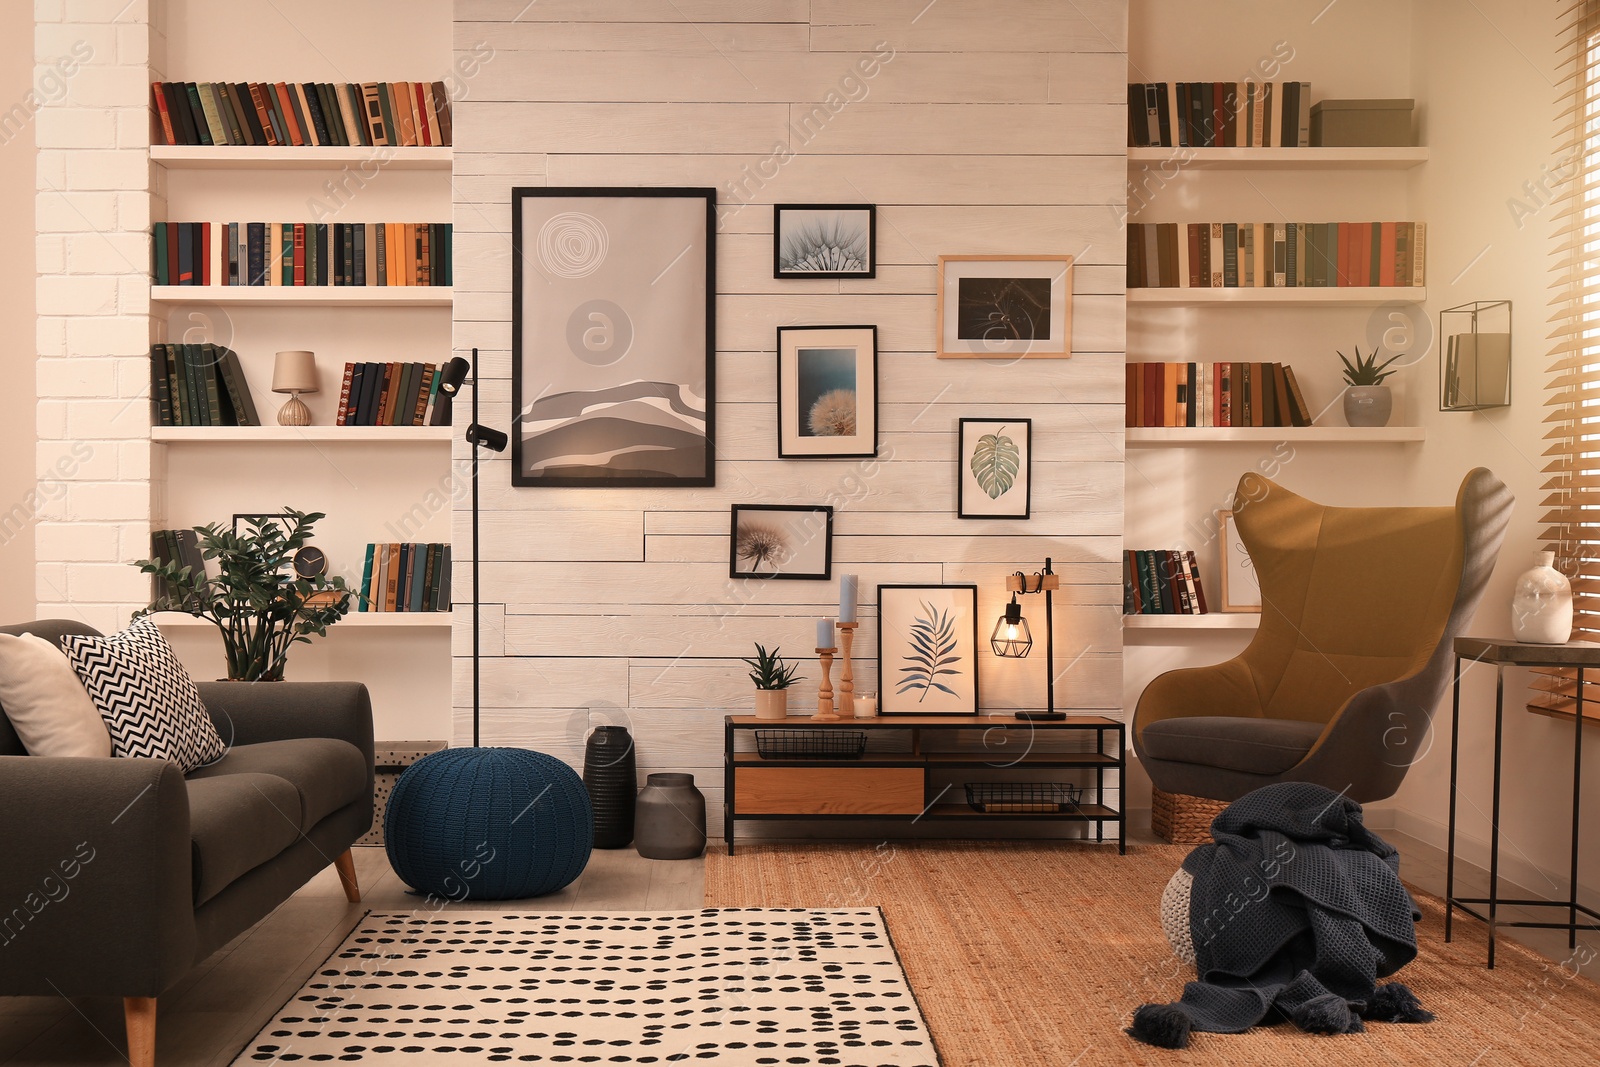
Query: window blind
(1572, 471)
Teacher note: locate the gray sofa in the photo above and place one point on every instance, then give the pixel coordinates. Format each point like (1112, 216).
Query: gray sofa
(119, 875)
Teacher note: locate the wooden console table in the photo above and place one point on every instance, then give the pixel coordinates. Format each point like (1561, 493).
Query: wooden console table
(1502, 654)
(915, 785)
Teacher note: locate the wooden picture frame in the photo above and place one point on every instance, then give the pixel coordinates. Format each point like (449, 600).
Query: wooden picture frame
(927, 649)
(613, 338)
(827, 392)
(1237, 585)
(793, 541)
(994, 468)
(824, 240)
(1004, 307)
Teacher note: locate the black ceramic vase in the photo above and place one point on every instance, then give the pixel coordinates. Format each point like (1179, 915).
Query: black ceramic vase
(608, 773)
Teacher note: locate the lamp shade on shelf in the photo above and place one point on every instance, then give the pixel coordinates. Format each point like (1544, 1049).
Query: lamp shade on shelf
(295, 372)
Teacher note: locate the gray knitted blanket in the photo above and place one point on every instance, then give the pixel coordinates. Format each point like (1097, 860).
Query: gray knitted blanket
(1297, 910)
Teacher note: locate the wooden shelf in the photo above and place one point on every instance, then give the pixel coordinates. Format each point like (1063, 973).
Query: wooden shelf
(305, 295)
(300, 435)
(1283, 158)
(1182, 437)
(1286, 296)
(1081, 813)
(243, 157)
(409, 620)
(1216, 620)
(940, 759)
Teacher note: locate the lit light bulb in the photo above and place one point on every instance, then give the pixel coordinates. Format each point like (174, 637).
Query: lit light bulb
(1011, 633)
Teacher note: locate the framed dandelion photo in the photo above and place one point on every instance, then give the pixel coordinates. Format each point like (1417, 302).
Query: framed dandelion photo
(928, 649)
(995, 479)
(781, 541)
(824, 240)
(827, 392)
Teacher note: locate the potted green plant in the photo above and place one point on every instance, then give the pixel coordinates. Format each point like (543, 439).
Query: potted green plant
(773, 678)
(257, 599)
(1367, 401)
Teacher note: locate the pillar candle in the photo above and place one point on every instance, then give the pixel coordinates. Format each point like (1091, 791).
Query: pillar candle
(825, 633)
(847, 597)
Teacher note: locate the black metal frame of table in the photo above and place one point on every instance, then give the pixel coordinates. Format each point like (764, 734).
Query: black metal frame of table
(1502, 654)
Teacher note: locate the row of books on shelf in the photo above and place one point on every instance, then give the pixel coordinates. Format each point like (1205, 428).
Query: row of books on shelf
(300, 113)
(1214, 394)
(302, 253)
(388, 394)
(1219, 114)
(1218, 255)
(406, 577)
(1161, 582)
(199, 385)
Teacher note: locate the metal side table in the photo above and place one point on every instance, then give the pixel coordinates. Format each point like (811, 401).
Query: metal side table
(1502, 654)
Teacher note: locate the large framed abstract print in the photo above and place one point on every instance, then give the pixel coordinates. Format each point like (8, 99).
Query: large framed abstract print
(827, 392)
(928, 649)
(613, 334)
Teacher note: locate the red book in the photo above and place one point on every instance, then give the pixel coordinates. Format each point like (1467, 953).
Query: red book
(299, 253)
(205, 252)
(163, 116)
(292, 127)
(1130, 406)
(1154, 392)
(1386, 256)
(344, 395)
(424, 133)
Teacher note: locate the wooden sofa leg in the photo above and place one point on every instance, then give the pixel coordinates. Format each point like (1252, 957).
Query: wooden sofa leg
(346, 866)
(139, 1014)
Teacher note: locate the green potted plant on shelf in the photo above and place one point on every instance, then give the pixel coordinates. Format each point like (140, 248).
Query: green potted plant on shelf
(1367, 401)
(270, 591)
(773, 678)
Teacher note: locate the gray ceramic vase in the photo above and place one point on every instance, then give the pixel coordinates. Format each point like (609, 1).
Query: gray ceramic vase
(669, 818)
(1367, 405)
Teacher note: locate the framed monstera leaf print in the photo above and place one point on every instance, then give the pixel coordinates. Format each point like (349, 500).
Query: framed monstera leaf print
(995, 479)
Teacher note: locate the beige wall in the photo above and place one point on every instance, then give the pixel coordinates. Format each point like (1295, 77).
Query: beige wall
(16, 310)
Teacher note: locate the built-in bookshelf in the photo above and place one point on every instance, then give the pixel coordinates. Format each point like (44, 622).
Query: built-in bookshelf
(1262, 159)
(1199, 436)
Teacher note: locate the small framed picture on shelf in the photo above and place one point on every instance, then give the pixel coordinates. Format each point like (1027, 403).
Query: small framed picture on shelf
(928, 649)
(827, 392)
(781, 541)
(1239, 587)
(998, 307)
(994, 479)
(824, 240)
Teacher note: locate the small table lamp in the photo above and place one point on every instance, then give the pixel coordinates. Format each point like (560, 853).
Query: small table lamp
(295, 373)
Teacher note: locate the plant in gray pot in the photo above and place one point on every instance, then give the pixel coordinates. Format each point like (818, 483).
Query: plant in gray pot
(1367, 401)
(773, 678)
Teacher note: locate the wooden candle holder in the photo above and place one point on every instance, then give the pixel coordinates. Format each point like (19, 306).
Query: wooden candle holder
(825, 712)
(847, 679)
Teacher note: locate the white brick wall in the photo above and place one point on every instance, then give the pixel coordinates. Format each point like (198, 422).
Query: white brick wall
(92, 213)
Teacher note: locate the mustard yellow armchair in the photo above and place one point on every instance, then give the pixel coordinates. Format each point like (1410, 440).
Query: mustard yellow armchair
(1359, 609)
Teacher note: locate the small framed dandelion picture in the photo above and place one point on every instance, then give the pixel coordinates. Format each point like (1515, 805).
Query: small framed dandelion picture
(824, 240)
(827, 392)
(781, 541)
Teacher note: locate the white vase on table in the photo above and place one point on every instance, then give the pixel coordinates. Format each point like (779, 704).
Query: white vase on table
(1541, 607)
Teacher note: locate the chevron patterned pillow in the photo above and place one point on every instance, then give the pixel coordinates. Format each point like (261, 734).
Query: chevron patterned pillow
(147, 699)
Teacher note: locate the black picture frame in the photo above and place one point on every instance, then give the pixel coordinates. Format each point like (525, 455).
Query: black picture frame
(812, 371)
(980, 470)
(800, 535)
(911, 631)
(579, 383)
(824, 240)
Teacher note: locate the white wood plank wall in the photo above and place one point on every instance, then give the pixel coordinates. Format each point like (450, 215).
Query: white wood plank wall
(994, 126)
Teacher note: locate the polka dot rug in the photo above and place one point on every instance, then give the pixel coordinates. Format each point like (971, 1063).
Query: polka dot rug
(725, 986)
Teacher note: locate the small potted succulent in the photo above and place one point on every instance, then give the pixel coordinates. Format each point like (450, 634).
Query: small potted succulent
(1367, 401)
(773, 678)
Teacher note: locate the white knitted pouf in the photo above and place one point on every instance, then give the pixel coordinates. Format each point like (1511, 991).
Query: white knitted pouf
(1175, 915)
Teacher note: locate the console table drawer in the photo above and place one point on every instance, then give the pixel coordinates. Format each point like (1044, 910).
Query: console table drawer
(828, 791)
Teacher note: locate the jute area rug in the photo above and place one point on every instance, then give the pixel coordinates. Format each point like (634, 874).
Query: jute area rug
(1027, 954)
(736, 987)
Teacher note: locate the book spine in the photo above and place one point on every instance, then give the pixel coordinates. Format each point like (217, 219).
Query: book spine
(1299, 411)
(344, 395)
(207, 371)
(258, 101)
(160, 388)
(245, 403)
(1214, 256)
(1230, 255)
(424, 394)
(441, 104)
(163, 125)
(363, 604)
(238, 130)
(1197, 589)
(197, 113)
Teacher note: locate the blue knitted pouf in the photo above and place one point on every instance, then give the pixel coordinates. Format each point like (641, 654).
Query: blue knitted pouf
(488, 824)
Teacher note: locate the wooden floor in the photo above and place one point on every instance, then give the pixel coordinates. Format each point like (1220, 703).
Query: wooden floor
(210, 1016)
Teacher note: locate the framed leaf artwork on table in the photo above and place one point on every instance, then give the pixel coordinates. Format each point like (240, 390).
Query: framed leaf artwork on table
(928, 649)
(995, 479)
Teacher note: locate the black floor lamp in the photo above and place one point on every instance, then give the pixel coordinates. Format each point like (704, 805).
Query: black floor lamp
(478, 437)
(1012, 638)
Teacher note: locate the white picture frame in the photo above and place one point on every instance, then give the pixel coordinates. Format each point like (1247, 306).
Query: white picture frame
(1240, 589)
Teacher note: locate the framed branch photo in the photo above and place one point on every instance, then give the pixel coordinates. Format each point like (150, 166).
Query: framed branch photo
(928, 649)
(995, 479)
(827, 392)
(1241, 590)
(997, 307)
(824, 240)
(613, 337)
(781, 541)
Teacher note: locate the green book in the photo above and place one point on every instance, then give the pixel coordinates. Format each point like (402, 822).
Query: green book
(385, 103)
(208, 372)
(1149, 583)
(185, 381)
(366, 581)
(158, 252)
(421, 559)
(160, 389)
(287, 251)
(238, 388)
(201, 127)
(443, 599)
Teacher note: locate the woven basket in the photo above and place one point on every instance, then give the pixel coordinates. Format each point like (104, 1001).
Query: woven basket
(1183, 819)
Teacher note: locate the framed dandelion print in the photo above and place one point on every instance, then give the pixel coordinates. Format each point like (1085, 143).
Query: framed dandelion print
(928, 649)
(999, 307)
(995, 479)
(781, 541)
(827, 392)
(824, 240)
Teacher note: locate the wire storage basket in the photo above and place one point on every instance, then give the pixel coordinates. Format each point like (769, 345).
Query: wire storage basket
(1022, 796)
(811, 744)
